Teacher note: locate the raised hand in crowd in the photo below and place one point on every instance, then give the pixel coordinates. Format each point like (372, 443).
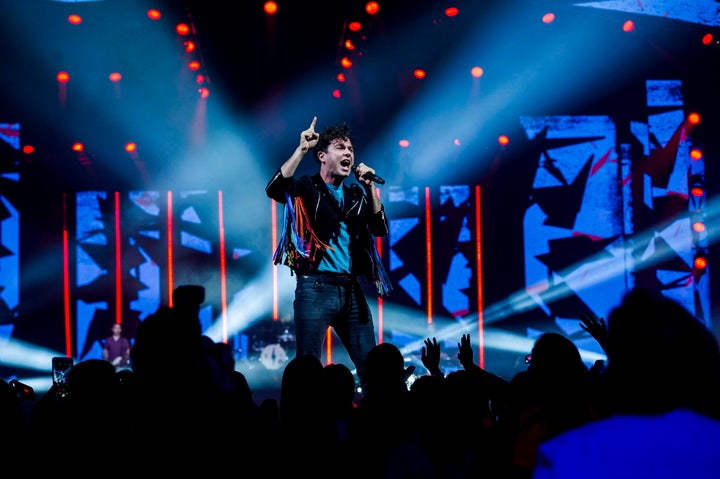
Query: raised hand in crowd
(465, 353)
(430, 356)
(467, 360)
(595, 326)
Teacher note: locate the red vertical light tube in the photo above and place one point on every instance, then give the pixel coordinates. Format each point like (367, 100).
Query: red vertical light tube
(378, 245)
(428, 256)
(118, 262)
(66, 281)
(328, 346)
(170, 271)
(478, 273)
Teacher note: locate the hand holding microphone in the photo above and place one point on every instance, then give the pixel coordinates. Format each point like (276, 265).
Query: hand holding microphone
(370, 176)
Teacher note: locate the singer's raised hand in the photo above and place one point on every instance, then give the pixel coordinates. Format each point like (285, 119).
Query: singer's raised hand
(309, 138)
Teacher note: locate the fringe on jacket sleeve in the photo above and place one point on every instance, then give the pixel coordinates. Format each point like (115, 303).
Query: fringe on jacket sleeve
(294, 245)
(380, 277)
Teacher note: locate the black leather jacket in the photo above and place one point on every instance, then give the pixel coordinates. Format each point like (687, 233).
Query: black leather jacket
(325, 215)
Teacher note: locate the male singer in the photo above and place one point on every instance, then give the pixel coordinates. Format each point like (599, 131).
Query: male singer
(328, 242)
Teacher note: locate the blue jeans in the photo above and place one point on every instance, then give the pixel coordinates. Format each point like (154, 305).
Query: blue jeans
(338, 301)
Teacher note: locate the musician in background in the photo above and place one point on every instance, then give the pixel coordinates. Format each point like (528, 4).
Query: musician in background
(116, 348)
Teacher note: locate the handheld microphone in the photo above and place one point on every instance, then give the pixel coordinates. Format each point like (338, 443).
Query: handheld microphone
(370, 176)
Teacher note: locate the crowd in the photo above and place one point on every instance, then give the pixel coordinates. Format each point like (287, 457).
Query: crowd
(651, 410)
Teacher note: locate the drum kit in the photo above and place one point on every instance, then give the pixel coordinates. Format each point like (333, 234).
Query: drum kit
(271, 347)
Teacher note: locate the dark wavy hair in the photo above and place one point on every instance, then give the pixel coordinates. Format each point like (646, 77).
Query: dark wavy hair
(329, 134)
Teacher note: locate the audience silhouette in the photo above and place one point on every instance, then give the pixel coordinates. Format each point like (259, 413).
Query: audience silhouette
(15, 425)
(553, 396)
(75, 432)
(651, 410)
(382, 421)
(338, 392)
(660, 407)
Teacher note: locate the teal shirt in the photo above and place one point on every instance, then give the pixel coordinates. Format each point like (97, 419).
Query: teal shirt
(337, 259)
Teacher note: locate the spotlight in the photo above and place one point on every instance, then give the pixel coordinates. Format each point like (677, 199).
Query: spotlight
(700, 263)
(182, 29)
(270, 8)
(697, 193)
(696, 152)
(698, 226)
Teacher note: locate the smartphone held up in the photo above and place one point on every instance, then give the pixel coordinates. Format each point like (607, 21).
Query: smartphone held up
(61, 367)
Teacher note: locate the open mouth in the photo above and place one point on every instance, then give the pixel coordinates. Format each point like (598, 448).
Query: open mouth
(345, 163)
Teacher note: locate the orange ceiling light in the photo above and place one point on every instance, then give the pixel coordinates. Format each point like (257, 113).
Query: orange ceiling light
(62, 77)
(371, 8)
(451, 12)
(154, 14)
(696, 153)
(270, 8)
(74, 19)
(700, 262)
